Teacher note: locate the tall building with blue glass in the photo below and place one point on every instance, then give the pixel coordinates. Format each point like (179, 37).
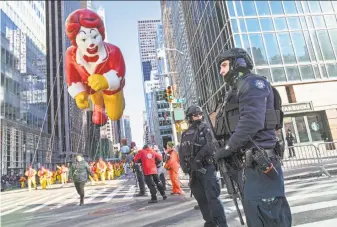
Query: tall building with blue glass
(24, 136)
(292, 43)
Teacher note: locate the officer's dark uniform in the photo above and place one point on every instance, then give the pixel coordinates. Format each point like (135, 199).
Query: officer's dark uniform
(140, 178)
(196, 156)
(249, 110)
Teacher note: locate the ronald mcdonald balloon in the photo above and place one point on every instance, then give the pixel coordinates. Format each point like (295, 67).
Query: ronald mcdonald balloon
(94, 68)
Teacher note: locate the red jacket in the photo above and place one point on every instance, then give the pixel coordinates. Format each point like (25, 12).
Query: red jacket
(148, 158)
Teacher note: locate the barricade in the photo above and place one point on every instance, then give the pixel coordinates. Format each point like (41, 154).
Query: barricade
(303, 157)
(328, 152)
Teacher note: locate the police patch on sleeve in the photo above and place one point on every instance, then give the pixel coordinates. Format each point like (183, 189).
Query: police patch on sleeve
(260, 84)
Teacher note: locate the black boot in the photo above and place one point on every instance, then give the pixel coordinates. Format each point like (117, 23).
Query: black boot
(140, 194)
(163, 194)
(82, 201)
(153, 199)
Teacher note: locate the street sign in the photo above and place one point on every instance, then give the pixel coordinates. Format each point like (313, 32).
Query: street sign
(181, 100)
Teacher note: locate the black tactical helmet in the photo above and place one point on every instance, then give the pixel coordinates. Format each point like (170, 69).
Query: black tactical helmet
(193, 109)
(232, 55)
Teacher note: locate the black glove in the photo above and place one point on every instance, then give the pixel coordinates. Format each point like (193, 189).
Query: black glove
(223, 152)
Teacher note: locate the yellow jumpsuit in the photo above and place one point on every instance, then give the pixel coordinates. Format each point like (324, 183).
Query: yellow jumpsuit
(43, 178)
(30, 173)
(101, 168)
(110, 171)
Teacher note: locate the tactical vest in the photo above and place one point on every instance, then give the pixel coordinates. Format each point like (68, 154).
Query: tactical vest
(229, 115)
(188, 144)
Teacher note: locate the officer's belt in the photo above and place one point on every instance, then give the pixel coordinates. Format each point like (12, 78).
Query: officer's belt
(270, 152)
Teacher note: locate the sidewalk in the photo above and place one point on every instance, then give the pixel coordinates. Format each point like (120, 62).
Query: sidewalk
(310, 171)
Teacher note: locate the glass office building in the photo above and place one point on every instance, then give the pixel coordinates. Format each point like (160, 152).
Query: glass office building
(292, 43)
(23, 93)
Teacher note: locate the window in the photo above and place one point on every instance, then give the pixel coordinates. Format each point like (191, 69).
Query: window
(330, 21)
(253, 25)
(238, 8)
(290, 7)
(237, 41)
(333, 36)
(231, 8)
(326, 7)
(301, 129)
(262, 8)
(307, 72)
(280, 23)
(300, 47)
(293, 73)
(299, 6)
(316, 45)
(309, 45)
(303, 22)
(257, 49)
(243, 25)
(266, 24)
(278, 75)
(248, 8)
(265, 73)
(316, 71)
(324, 72)
(234, 26)
(272, 48)
(276, 7)
(309, 21)
(314, 6)
(286, 48)
(332, 70)
(318, 21)
(326, 45)
(294, 23)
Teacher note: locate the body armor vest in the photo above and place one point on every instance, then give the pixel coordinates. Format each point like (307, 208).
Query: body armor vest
(229, 115)
(188, 145)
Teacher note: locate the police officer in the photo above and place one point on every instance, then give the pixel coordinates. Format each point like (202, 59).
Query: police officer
(196, 156)
(248, 116)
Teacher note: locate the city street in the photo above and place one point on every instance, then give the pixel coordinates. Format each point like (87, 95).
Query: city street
(313, 203)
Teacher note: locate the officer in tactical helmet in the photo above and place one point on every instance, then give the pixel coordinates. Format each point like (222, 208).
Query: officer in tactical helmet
(196, 156)
(247, 121)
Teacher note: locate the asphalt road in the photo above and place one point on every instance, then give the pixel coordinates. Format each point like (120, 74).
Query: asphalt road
(313, 203)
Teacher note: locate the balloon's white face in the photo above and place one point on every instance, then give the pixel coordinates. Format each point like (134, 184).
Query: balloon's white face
(89, 41)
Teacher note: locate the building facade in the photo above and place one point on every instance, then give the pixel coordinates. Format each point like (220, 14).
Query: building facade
(175, 34)
(292, 43)
(23, 92)
(147, 32)
(126, 129)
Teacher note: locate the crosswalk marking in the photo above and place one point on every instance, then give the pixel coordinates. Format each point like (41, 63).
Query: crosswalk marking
(47, 203)
(324, 223)
(112, 194)
(96, 195)
(29, 204)
(313, 206)
(130, 193)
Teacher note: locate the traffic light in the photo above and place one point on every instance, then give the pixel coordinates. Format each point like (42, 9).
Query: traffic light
(168, 94)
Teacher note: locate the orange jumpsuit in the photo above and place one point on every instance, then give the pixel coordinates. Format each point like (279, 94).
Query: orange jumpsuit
(172, 165)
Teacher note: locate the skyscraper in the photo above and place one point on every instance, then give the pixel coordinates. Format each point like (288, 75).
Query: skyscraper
(147, 32)
(24, 134)
(292, 43)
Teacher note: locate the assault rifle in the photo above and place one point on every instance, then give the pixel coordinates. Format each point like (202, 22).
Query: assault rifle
(232, 191)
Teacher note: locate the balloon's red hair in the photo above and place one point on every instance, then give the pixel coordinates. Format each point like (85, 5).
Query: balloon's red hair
(86, 18)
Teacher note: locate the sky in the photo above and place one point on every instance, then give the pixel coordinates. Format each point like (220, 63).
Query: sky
(121, 27)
